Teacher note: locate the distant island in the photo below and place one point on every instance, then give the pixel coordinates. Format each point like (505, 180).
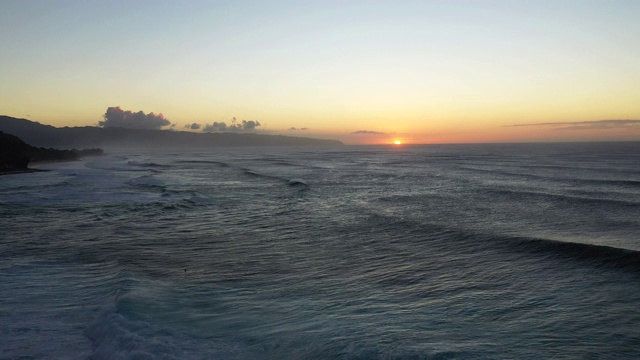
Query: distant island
(40, 135)
(15, 154)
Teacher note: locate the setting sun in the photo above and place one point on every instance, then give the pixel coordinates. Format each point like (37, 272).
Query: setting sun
(397, 142)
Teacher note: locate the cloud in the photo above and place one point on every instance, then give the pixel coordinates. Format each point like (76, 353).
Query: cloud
(297, 129)
(587, 125)
(116, 117)
(215, 127)
(194, 126)
(249, 125)
(368, 132)
(245, 126)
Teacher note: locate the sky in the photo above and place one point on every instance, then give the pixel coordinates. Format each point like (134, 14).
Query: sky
(364, 72)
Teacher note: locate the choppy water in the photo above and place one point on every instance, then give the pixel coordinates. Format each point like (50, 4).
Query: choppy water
(432, 252)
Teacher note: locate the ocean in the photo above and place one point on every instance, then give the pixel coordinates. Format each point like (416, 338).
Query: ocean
(496, 251)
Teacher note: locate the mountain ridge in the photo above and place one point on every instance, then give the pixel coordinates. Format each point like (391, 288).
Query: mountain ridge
(15, 154)
(40, 135)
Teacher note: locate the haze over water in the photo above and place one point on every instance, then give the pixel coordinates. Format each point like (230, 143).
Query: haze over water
(523, 251)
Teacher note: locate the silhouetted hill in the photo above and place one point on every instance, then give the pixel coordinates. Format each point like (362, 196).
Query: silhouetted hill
(80, 137)
(12, 153)
(15, 154)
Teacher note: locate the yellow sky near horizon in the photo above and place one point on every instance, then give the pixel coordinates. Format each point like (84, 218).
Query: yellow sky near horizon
(423, 72)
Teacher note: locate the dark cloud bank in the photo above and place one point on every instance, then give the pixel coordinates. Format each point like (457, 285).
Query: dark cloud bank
(116, 117)
(587, 125)
(245, 125)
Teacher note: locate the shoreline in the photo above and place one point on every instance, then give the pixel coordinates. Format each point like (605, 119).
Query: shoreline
(40, 162)
(21, 171)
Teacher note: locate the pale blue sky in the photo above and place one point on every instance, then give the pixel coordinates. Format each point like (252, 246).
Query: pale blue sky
(404, 67)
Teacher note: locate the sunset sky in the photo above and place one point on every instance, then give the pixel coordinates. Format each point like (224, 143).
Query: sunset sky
(358, 71)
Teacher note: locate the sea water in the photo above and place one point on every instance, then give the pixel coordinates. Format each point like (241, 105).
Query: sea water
(528, 251)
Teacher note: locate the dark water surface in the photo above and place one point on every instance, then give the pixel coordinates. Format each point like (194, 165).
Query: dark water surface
(528, 251)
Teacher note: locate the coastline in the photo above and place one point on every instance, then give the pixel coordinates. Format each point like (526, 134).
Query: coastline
(20, 171)
(39, 162)
(34, 170)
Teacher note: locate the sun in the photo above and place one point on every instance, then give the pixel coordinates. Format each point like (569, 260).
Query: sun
(397, 142)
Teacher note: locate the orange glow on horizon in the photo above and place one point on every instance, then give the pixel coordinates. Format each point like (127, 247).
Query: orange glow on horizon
(397, 142)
